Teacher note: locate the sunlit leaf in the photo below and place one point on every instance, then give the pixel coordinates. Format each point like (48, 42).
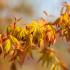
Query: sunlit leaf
(7, 45)
(15, 42)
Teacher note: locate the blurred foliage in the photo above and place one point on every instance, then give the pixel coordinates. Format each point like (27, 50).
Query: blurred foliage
(2, 6)
(24, 9)
(18, 42)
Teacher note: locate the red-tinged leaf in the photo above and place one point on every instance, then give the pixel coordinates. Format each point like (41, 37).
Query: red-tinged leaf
(21, 57)
(14, 56)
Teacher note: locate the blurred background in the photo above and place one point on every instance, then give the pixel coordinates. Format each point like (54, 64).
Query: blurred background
(30, 10)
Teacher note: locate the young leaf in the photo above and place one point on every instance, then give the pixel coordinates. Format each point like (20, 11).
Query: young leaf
(7, 45)
(15, 42)
(47, 56)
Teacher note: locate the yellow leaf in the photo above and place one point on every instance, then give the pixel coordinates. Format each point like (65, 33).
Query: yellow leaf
(18, 29)
(47, 56)
(15, 42)
(7, 46)
(22, 33)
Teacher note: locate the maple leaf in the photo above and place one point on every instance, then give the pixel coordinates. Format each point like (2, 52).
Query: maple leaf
(49, 35)
(59, 65)
(37, 37)
(21, 35)
(15, 42)
(22, 55)
(47, 56)
(7, 45)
